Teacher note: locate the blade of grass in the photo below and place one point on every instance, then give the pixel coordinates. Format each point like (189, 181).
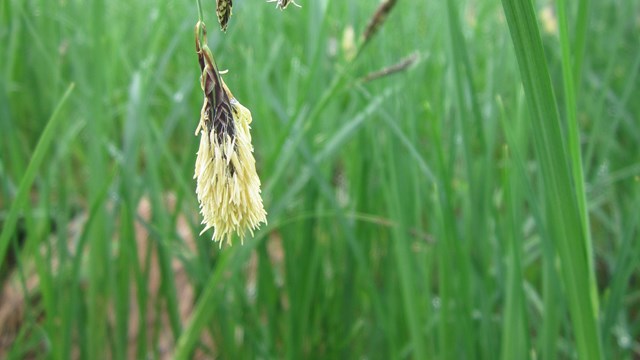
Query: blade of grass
(551, 305)
(569, 82)
(476, 165)
(515, 340)
(203, 310)
(626, 263)
(405, 262)
(565, 227)
(446, 250)
(580, 40)
(39, 153)
(76, 300)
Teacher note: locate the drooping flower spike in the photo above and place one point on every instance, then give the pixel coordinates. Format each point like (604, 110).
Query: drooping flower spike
(228, 187)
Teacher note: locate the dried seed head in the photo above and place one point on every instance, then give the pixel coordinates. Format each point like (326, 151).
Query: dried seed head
(282, 4)
(401, 65)
(377, 20)
(223, 10)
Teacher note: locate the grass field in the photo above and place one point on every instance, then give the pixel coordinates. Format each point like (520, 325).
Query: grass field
(483, 202)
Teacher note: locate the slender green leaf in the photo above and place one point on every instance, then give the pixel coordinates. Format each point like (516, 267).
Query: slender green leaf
(42, 149)
(563, 217)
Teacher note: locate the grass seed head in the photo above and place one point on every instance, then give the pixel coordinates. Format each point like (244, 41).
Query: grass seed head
(377, 20)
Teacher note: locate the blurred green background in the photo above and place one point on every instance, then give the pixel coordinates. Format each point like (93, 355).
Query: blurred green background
(483, 202)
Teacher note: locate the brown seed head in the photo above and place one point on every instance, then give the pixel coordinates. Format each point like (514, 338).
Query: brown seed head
(377, 20)
(223, 10)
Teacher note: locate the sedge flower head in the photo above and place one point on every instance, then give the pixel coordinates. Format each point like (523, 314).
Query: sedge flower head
(227, 184)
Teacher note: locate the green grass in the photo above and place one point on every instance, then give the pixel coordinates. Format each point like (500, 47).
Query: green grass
(481, 203)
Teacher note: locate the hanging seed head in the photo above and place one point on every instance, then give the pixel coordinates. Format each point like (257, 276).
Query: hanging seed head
(228, 187)
(223, 10)
(282, 4)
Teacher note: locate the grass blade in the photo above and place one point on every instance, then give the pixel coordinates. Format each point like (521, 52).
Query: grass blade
(27, 180)
(570, 85)
(561, 202)
(203, 311)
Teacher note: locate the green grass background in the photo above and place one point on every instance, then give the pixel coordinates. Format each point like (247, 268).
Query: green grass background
(483, 203)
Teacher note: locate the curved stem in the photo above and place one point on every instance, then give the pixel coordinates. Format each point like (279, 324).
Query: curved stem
(201, 32)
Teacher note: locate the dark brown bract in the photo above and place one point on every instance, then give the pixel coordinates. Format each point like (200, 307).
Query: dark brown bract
(216, 110)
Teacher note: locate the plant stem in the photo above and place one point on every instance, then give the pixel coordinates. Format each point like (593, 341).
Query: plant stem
(200, 13)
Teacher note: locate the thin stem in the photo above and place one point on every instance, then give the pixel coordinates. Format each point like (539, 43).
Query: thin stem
(200, 27)
(200, 13)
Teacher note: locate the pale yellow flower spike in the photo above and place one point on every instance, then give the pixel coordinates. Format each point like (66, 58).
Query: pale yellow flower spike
(228, 186)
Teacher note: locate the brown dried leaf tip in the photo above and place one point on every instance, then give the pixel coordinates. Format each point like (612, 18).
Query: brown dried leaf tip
(223, 10)
(228, 186)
